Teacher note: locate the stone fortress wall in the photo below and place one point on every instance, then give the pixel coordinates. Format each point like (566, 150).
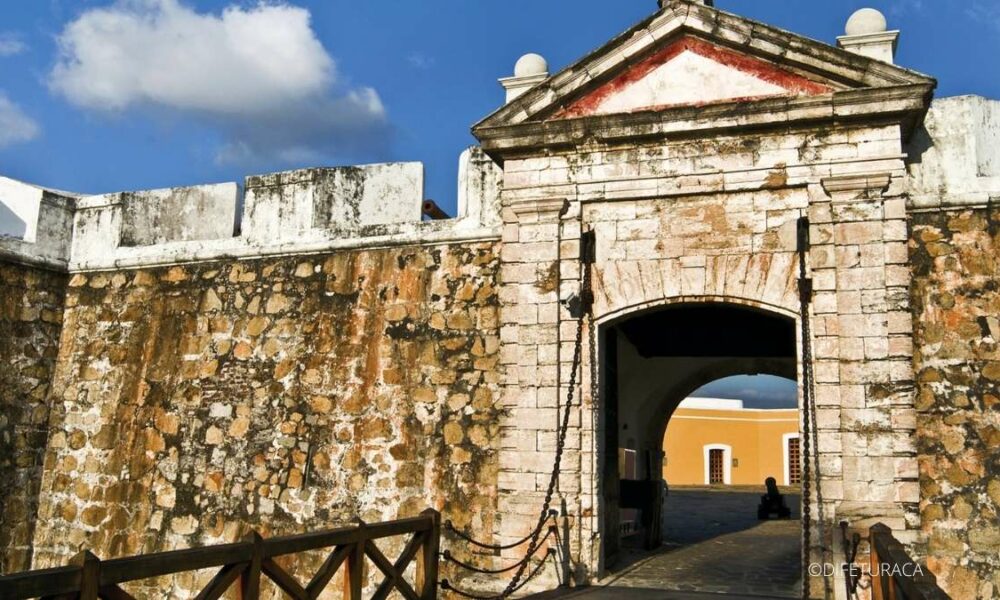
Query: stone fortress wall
(208, 382)
(201, 376)
(955, 257)
(31, 312)
(194, 362)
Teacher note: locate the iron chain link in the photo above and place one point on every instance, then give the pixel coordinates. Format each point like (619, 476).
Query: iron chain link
(519, 580)
(810, 437)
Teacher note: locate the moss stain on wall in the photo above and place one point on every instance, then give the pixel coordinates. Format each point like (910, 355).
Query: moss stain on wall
(956, 296)
(193, 403)
(30, 323)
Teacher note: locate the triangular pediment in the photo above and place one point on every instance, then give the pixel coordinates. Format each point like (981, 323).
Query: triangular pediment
(689, 55)
(692, 72)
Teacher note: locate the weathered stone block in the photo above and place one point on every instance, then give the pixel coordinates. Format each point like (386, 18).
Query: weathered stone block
(28, 350)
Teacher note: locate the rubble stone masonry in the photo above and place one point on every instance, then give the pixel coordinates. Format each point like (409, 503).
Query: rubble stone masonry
(30, 321)
(338, 357)
(194, 403)
(956, 300)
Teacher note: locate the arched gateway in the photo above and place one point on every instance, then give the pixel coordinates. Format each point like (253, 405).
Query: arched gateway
(703, 196)
(689, 151)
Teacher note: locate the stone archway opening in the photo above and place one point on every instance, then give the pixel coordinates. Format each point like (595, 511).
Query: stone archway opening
(651, 361)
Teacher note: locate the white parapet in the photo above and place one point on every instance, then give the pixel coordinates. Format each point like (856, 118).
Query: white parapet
(344, 202)
(711, 403)
(36, 224)
(19, 204)
(106, 224)
(147, 218)
(479, 183)
(954, 160)
(294, 212)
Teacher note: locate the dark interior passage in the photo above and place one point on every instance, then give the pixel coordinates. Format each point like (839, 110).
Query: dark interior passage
(650, 363)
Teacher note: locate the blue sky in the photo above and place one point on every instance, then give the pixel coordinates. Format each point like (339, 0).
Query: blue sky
(100, 95)
(756, 391)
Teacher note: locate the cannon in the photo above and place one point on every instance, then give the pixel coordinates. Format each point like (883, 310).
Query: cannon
(772, 503)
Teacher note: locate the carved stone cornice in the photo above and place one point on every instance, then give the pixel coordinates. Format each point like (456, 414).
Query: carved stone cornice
(541, 209)
(848, 187)
(904, 104)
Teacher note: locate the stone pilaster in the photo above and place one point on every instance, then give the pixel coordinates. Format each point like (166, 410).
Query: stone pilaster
(863, 351)
(531, 357)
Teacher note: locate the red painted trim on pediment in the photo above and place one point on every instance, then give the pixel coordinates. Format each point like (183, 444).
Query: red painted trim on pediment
(795, 84)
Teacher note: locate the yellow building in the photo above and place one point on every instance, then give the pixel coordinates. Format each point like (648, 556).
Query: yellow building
(712, 441)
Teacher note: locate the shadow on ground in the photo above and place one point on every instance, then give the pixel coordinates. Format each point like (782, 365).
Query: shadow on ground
(693, 515)
(715, 545)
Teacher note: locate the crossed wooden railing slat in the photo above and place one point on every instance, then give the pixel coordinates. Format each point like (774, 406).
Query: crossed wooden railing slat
(89, 578)
(896, 576)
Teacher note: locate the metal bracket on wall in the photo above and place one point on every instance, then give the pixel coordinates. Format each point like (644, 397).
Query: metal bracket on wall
(579, 304)
(802, 243)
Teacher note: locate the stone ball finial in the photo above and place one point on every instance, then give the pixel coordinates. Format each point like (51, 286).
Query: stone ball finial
(529, 65)
(865, 21)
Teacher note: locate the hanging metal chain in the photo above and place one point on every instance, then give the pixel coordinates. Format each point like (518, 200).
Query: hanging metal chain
(810, 437)
(495, 547)
(805, 298)
(553, 530)
(580, 308)
(594, 405)
(538, 568)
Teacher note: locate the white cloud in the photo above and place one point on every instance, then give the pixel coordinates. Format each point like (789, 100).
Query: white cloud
(252, 72)
(11, 44)
(309, 132)
(984, 12)
(420, 61)
(15, 126)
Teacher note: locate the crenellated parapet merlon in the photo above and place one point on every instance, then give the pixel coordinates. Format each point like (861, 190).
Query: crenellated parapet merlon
(954, 159)
(292, 212)
(36, 224)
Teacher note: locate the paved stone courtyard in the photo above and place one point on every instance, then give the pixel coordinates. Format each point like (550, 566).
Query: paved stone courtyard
(714, 546)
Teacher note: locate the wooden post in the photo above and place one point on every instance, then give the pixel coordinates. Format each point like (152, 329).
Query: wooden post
(874, 561)
(427, 559)
(90, 574)
(893, 549)
(354, 575)
(250, 578)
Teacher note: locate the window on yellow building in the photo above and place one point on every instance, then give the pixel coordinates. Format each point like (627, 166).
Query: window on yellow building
(793, 459)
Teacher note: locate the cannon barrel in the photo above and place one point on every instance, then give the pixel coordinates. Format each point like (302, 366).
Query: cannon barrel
(432, 211)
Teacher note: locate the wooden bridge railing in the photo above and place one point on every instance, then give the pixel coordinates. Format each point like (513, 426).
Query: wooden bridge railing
(894, 575)
(88, 578)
